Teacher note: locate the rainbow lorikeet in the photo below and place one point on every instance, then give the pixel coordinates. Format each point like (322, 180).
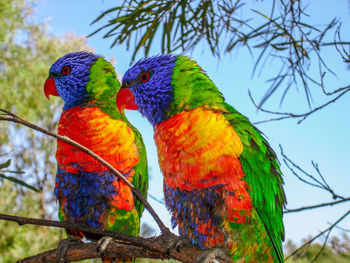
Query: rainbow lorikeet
(87, 191)
(222, 181)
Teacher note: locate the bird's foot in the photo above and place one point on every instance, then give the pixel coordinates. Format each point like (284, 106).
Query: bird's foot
(63, 247)
(215, 255)
(103, 243)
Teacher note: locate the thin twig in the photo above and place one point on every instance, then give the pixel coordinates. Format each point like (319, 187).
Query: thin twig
(161, 201)
(314, 181)
(302, 116)
(315, 206)
(343, 229)
(322, 248)
(317, 236)
(14, 118)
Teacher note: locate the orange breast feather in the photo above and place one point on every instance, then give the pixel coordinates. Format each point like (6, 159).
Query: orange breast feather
(111, 139)
(199, 149)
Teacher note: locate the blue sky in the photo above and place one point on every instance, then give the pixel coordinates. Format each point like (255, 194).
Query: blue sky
(323, 137)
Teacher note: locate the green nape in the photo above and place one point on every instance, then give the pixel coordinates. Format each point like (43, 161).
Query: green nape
(192, 87)
(103, 87)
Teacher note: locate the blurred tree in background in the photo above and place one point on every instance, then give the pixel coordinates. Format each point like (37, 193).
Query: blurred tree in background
(17, 242)
(26, 51)
(338, 251)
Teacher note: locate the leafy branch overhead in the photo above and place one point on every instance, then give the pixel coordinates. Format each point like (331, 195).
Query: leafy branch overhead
(183, 24)
(283, 35)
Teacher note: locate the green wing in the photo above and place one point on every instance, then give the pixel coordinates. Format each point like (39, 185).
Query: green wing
(140, 178)
(262, 173)
(104, 80)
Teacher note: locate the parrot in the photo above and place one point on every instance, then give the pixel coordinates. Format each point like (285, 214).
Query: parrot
(221, 179)
(87, 191)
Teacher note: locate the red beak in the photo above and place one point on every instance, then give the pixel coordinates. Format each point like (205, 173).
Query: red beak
(126, 100)
(50, 88)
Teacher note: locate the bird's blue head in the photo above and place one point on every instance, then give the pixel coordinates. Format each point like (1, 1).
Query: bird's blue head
(147, 87)
(68, 77)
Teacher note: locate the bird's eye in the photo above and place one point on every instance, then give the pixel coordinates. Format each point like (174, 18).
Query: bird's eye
(144, 77)
(66, 70)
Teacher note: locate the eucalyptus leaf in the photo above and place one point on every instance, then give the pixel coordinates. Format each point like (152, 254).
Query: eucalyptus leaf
(18, 181)
(284, 33)
(5, 164)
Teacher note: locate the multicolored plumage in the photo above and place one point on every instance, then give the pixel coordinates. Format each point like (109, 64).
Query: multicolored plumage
(87, 191)
(222, 181)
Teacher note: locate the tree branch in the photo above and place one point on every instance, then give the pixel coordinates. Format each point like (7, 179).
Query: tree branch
(89, 251)
(11, 117)
(124, 246)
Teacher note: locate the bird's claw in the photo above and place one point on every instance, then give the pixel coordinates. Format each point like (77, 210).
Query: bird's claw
(215, 255)
(103, 243)
(63, 247)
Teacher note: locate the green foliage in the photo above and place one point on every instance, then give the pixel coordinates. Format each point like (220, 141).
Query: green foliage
(283, 34)
(183, 23)
(26, 54)
(337, 250)
(22, 241)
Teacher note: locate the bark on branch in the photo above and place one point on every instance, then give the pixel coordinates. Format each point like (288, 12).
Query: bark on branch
(118, 249)
(89, 251)
(124, 246)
